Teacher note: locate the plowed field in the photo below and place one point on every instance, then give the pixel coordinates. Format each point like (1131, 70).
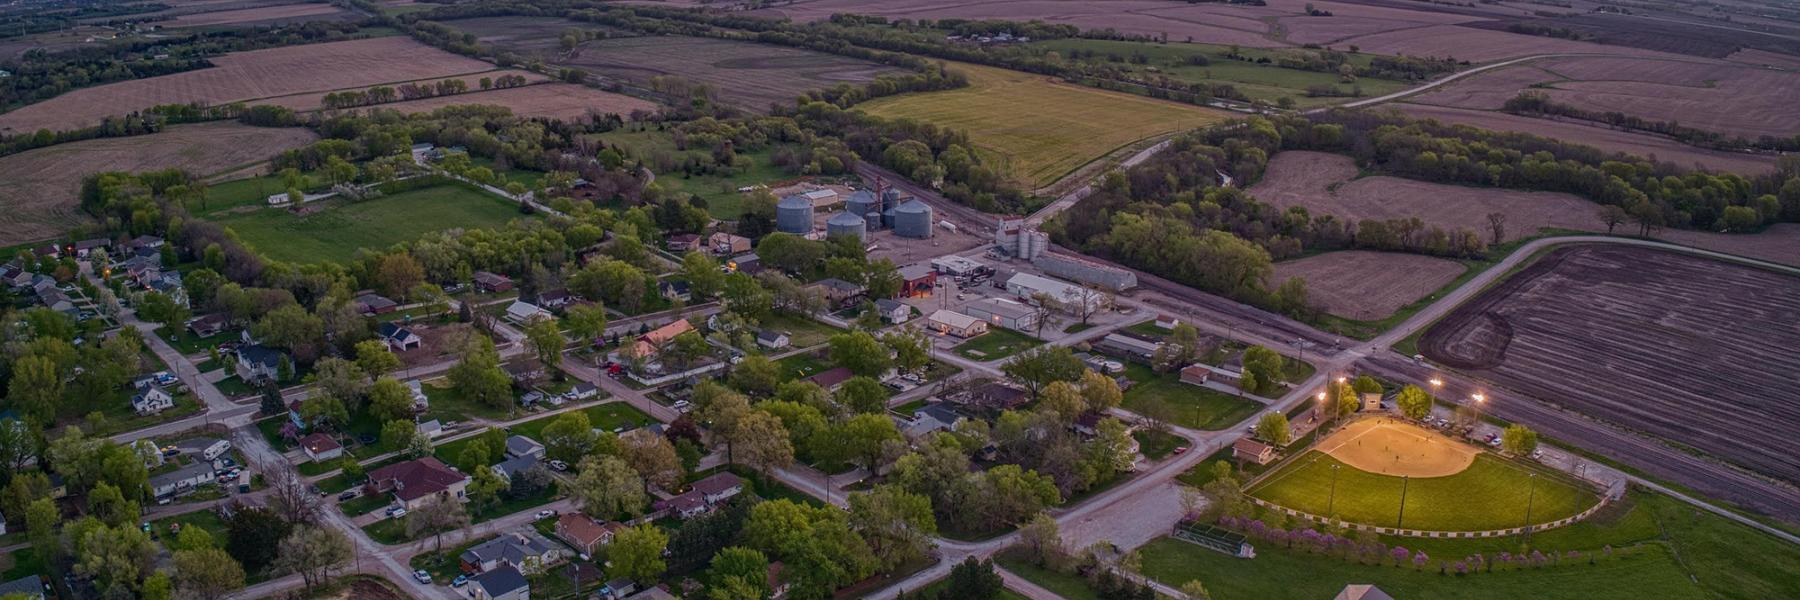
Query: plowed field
(563, 101)
(1367, 286)
(1692, 350)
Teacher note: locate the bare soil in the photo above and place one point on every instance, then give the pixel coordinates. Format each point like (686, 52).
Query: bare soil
(1364, 285)
(1695, 351)
(286, 13)
(1397, 449)
(1646, 145)
(40, 195)
(746, 74)
(250, 75)
(562, 101)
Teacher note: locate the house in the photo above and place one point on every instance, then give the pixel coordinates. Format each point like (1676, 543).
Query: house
(525, 312)
(29, 587)
(1195, 374)
(375, 304)
(525, 550)
(771, 339)
(1361, 591)
(830, 379)
(182, 480)
(519, 445)
(151, 401)
(492, 283)
(256, 362)
(674, 290)
(205, 326)
(321, 447)
(650, 343)
(682, 242)
(555, 299)
(894, 311)
(399, 338)
(421, 402)
(1129, 345)
(85, 247)
(838, 292)
(917, 280)
(617, 589)
(1063, 296)
(725, 243)
(525, 371)
(584, 532)
(931, 419)
(685, 506)
(1010, 314)
(1249, 450)
(955, 323)
(415, 481)
(506, 469)
(1088, 424)
(656, 593)
(748, 264)
(504, 583)
(996, 396)
(143, 242)
(719, 487)
(431, 429)
(582, 391)
(1167, 322)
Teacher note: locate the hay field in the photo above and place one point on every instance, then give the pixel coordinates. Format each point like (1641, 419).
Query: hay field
(285, 13)
(1039, 128)
(1612, 140)
(562, 101)
(40, 195)
(1490, 494)
(1367, 286)
(337, 230)
(250, 75)
(1726, 98)
(1677, 346)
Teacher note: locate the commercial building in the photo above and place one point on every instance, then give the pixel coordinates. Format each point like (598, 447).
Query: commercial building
(1086, 272)
(1063, 296)
(957, 324)
(1004, 313)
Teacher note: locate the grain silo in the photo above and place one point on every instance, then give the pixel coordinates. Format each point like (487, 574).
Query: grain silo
(865, 205)
(794, 214)
(890, 198)
(912, 219)
(846, 224)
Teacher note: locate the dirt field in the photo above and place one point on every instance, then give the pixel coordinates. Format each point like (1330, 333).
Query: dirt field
(1695, 351)
(1039, 128)
(41, 185)
(250, 75)
(536, 37)
(286, 13)
(1474, 45)
(1367, 286)
(1218, 24)
(1638, 144)
(1727, 98)
(563, 101)
(1308, 179)
(1397, 449)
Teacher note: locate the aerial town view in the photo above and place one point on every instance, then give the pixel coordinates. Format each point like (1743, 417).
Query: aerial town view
(900, 299)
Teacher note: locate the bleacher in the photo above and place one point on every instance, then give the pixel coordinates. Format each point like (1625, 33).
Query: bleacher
(1214, 538)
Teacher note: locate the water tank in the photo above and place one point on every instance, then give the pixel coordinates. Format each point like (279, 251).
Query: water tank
(794, 214)
(846, 224)
(912, 219)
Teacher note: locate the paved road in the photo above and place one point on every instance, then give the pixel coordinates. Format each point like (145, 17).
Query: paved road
(1069, 199)
(1452, 77)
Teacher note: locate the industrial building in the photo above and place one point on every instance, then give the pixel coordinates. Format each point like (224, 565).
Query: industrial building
(847, 225)
(956, 265)
(794, 214)
(1063, 296)
(1019, 240)
(1004, 313)
(1086, 272)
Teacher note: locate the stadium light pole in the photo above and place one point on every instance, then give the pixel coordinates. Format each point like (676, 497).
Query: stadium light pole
(1529, 496)
(1331, 500)
(1401, 521)
(1479, 398)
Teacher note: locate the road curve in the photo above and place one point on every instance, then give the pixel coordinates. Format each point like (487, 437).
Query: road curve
(1452, 77)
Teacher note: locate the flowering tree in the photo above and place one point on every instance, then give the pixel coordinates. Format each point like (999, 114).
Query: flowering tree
(1419, 559)
(1400, 553)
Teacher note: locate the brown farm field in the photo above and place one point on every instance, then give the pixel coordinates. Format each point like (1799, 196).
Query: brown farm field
(285, 13)
(1716, 96)
(244, 76)
(1367, 286)
(1327, 183)
(746, 74)
(41, 185)
(562, 101)
(1613, 140)
(1692, 350)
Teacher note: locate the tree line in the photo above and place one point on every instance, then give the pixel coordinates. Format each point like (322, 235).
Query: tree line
(1534, 103)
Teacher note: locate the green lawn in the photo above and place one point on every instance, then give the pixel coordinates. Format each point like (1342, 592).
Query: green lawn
(1070, 587)
(1490, 494)
(204, 519)
(362, 505)
(718, 191)
(250, 192)
(526, 176)
(1155, 444)
(609, 416)
(187, 343)
(338, 229)
(802, 332)
(449, 404)
(234, 387)
(121, 418)
(1259, 81)
(22, 563)
(997, 343)
(911, 407)
(271, 432)
(933, 589)
(1189, 405)
(802, 365)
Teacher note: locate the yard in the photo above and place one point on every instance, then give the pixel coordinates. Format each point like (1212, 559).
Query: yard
(719, 192)
(187, 343)
(1156, 444)
(1187, 405)
(802, 365)
(802, 332)
(997, 343)
(448, 404)
(336, 230)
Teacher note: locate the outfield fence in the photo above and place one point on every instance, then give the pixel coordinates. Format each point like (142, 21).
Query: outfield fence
(1428, 533)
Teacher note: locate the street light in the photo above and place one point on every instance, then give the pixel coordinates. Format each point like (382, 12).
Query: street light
(1478, 400)
(1436, 383)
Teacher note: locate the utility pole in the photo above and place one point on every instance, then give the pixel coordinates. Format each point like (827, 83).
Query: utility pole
(1529, 496)
(1331, 500)
(1404, 480)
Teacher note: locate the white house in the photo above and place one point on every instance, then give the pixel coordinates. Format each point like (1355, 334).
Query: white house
(519, 445)
(894, 311)
(421, 402)
(771, 339)
(431, 429)
(256, 361)
(183, 480)
(525, 312)
(151, 401)
(957, 324)
(320, 447)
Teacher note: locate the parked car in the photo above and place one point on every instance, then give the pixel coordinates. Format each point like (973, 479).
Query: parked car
(422, 576)
(1537, 455)
(347, 495)
(461, 580)
(559, 465)
(396, 512)
(545, 514)
(1181, 449)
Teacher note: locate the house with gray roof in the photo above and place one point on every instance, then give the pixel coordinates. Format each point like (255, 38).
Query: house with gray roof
(525, 550)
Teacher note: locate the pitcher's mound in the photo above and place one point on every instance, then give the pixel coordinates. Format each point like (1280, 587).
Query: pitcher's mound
(1396, 448)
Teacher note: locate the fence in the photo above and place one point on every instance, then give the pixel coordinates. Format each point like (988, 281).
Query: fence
(1426, 533)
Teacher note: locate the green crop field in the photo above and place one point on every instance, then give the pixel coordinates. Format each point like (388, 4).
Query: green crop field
(1491, 494)
(338, 229)
(1040, 129)
(1259, 81)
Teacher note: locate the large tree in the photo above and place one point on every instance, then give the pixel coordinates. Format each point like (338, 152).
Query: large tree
(253, 536)
(896, 525)
(544, 337)
(606, 487)
(207, 573)
(759, 440)
(478, 375)
(1042, 366)
(1519, 440)
(569, 436)
(821, 551)
(862, 395)
(435, 517)
(868, 438)
(637, 553)
(1273, 428)
(1414, 402)
(653, 457)
(860, 352)
(390, 400)
(313, 552)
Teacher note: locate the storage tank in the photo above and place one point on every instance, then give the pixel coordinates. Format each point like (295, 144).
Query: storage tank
(860, 202)
(890, 198)
(846, 224)
(794, 214)
(913, 219)
(887, 218)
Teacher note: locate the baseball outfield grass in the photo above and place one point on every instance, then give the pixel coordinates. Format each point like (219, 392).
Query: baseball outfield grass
(1491, 494)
